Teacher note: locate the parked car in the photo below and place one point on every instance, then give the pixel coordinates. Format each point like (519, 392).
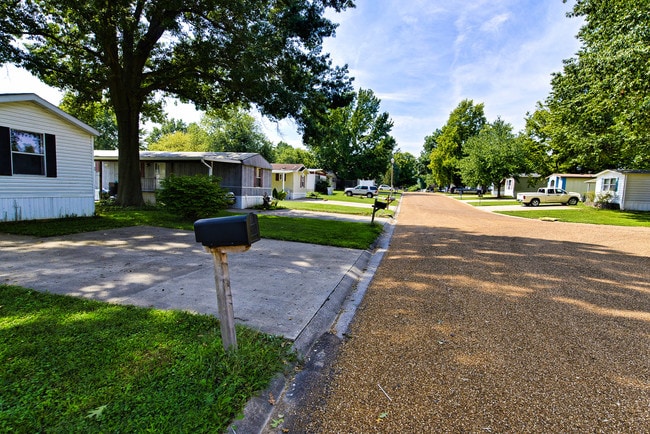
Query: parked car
(548, 195)
(468, 190)
(384, 187)
(361, 190)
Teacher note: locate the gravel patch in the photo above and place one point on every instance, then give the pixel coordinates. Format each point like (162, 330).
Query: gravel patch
(483, 323)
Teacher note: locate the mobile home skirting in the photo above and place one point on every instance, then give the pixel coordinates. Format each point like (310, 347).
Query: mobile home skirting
(38, 208)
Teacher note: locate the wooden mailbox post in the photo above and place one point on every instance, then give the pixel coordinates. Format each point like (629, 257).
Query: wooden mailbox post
(221, 236)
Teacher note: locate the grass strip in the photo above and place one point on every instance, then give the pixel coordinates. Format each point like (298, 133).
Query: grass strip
(304, 230)
(490, 202)
(75, 365)
(323, 232)
(587, 214)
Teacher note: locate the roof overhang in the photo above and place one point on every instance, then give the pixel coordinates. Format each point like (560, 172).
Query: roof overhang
(35, 99)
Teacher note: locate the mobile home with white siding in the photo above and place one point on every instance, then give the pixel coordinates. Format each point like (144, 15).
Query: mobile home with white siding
(46, 161)
(630, 189)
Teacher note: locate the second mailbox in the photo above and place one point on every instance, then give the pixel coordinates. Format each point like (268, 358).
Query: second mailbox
(239, 230)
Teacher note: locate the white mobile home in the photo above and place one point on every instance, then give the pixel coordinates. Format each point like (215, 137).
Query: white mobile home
(630, 189)
(46, 159)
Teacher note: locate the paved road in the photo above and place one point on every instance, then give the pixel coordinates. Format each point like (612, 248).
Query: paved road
(478, 322)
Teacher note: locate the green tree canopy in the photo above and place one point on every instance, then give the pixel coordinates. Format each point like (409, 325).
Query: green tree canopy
(266, 53)
(493, 155)
(233, 129)
(285, 153)
(465, 121)
(599, 107)
(167, 126)
(352, 141)
(404, 170)
(97, 114)
(192, 140)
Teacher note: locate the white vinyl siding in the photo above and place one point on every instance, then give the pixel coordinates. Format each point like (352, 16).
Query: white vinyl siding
(637, 194)
(71, 192)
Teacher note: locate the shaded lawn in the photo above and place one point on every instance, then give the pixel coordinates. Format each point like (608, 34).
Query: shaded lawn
(76, 365)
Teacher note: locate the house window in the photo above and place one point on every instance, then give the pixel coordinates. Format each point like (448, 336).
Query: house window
(302, 181)
(609, 184)
(258, 177)
(27, 153)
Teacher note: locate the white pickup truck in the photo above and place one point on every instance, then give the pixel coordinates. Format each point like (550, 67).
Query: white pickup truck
(548, 195)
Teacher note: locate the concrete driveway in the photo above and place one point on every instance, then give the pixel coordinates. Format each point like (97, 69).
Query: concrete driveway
(281, 288)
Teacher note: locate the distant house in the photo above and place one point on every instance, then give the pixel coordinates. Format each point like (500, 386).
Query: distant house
(246, 175)
(292, 178)
(630, 189)
(511, 186)
(570, 182)
(45, 161)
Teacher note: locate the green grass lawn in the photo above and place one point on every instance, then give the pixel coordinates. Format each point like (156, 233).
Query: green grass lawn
(587, 214)
(313, 231)
(363, 208)
(74, 365)
(493, 202)
(341, 197)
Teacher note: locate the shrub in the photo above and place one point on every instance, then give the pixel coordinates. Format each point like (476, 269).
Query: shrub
(279, 195)
(322, 185)
(192, 197)
(604, 201)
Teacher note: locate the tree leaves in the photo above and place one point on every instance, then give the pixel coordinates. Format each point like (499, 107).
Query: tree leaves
(598, 112)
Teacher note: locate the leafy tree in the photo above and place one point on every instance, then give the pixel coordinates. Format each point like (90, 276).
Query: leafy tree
(285, 153)
(168, 126)
(352, 141)
(599, 107)
(465, 121)
(424, 160)
(97, 114)
(404, 170)
(234, 130)
(209, 52)
(492, 156)
(191, 141)
(537, 139)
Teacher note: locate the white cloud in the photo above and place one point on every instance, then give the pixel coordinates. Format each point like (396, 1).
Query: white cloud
(495, 23)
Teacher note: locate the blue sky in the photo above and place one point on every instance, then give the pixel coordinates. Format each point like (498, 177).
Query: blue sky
(422, 57)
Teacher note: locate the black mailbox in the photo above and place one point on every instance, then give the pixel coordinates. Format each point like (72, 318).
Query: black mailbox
(380, 205)
(240, 230)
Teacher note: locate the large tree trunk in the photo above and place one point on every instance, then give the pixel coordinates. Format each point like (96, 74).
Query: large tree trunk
(127, 112)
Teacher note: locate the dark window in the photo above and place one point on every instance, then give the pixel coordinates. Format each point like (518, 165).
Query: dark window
(27, 153)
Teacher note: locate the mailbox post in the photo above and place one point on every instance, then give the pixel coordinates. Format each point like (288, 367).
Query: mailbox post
(377, 206)
(221, 236)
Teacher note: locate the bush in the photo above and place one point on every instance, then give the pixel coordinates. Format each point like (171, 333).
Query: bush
(192, 197)
(604, 201)
(322, 185)
(279, 195)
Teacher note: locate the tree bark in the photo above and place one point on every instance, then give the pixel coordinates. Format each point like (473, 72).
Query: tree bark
(127, 112)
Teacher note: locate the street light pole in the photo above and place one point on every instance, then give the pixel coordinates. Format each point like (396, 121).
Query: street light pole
(392, 167)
